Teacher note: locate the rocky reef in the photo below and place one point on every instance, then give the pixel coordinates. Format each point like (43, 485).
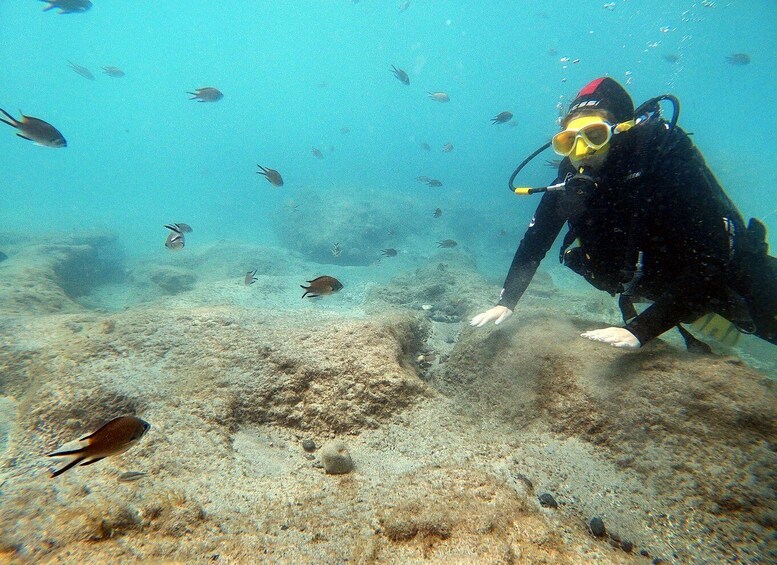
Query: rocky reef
(521, 443)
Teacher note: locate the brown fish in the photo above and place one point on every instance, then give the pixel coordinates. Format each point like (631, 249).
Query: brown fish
(68, 6)
(131, 476)
(390, 252)
(447, 148)
(206, 94)
(439, 96)
(738, 59)
(83, 71)
(400, 74)
(316, 153)
(112, 71)
(35, 130)
(434, 182)
(447, 243)
(271, 175)
(321, 286)
(437, 213)
(502, 117)
(250, 278)
(115, 437)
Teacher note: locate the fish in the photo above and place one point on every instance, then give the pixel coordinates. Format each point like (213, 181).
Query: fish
(390, 252)
(250, 278)
(175, 241)
(130, 476)
(336, 249)
(502, 117)
(447, 243)
(206, 94)
(423, 178)
(316, 153)
(439, 96)
(400, 74)
(437, 213)
(345, 129)
(404, 6)
(321, 286)
(434, 182)
(671, 57)
(426, 147)
(112, 71)
(738, 59)
(36, 130)
(83, 71)
(68, 6)
(447, 148)
(115, 437)
(180, 228)
(271, 175)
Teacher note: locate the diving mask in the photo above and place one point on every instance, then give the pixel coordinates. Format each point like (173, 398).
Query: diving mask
(594, 132)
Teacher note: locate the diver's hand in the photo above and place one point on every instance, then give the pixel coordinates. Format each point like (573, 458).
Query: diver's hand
(498, 313)
(617, 337)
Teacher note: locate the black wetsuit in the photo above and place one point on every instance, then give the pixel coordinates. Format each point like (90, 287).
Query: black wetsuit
(654, 195)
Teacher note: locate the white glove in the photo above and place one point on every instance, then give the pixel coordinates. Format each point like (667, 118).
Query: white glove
(498, 313)
(617, 337)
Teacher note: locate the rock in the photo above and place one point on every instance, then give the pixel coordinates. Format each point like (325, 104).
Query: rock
(336, 458)
(173, 280)
(308, 445)
(596, 527)
(627, 546)
(547, 500)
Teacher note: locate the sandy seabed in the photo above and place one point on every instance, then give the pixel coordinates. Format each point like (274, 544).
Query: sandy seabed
(454, 433)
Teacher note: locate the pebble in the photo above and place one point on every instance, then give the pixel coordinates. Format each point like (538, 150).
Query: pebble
(308, 445)
(596, 526)
(547, 500)
(627, 546)
(526, 481)
(336, 458)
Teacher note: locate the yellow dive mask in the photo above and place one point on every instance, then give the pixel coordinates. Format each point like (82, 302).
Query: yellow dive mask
(591, 130)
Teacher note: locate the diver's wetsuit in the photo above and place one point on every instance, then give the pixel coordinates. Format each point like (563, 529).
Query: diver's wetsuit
(667, 205)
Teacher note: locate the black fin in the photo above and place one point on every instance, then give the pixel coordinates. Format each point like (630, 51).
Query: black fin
(12, 123)
(692, 344)
(65, 453)
(70, 465)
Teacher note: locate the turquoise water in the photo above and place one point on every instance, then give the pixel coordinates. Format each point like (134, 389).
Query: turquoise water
(140, 154)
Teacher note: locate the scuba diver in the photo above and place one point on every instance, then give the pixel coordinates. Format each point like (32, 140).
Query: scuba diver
(647, 221)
